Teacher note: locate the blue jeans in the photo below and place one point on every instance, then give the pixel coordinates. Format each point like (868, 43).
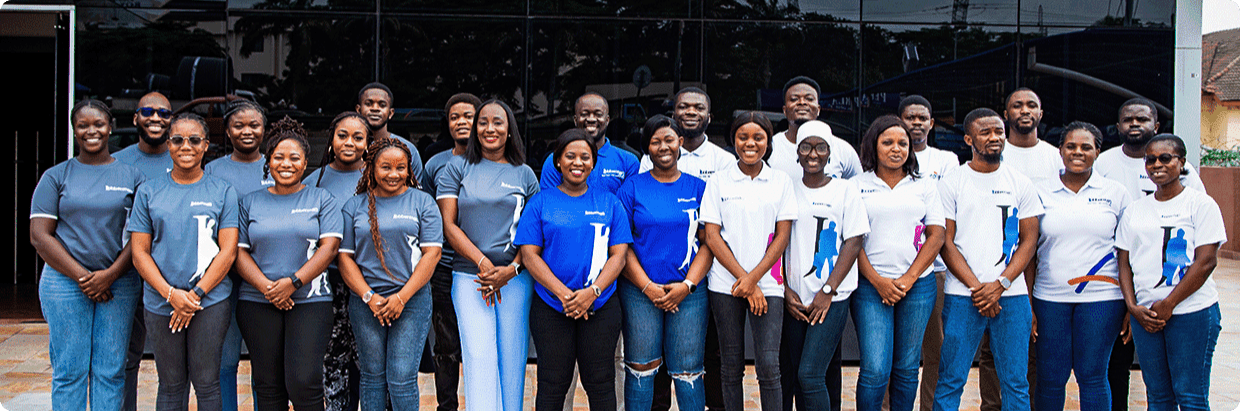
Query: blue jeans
(1175, 362)
(811, 358)
(87, 341)
(730, 314)
(230, 355)
(963, 327)
(494, 341)
(890, 342)
(1075, 337)
(388, 356)
(679, 339)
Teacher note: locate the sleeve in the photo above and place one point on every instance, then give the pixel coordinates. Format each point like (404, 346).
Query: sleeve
(529, 228)
(45, 202)
(348, 243)
(855, 217)
(228, 214)
(633, 167)
(621, 229)
(448, 182)
(140, 214)
(710, 211)
(626, 195)
(532, 187)
(850, 163)
(1123, 234)
(947, 197)
(419, 169)
(787, 209)
(1125, 200)
(645, 165)
(1208, 222)
(431, 229)
(331, 221)
(1028, 201)
(243, 229)
(1194, 178)
(550, 175)
(934, 206)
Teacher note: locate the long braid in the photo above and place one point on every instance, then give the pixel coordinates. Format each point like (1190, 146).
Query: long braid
(329, 155)
(368, 185)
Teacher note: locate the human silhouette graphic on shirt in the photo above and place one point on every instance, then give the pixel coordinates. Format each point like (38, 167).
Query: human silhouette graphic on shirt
(1175, 259)
(825, 251)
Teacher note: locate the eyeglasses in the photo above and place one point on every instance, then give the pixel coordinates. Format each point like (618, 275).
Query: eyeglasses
(181, 140)
(150, 111)
(821, 148)
(1161, 158)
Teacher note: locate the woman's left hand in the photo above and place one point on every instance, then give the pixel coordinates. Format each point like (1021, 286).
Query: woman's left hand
(579, 306)
(819, 307)
(97, 286)
(673, 294)
(392, 308)
(491, 281)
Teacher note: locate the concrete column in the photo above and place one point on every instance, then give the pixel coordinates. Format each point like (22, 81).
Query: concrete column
(1187, 102)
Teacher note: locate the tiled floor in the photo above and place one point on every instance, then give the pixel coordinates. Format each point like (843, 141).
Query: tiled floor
(25, 375)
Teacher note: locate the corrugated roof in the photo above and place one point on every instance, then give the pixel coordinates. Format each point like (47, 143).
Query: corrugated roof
(1220, 64)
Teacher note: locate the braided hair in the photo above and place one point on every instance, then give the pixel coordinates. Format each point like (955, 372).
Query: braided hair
(285, 129)
(237, 106)
(368, 185)
(328, 155)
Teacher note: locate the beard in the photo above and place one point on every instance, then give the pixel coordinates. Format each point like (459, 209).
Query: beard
(153, 141)
(1025, 130)
(694, 133)
(990, 158)
(1138, 141)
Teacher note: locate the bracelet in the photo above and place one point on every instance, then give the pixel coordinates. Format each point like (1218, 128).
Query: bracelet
(479, 263)
(647, 285)
(169, 298)
(402, 300)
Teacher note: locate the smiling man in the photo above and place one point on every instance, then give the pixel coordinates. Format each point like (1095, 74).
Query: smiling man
(376, 103)
(613, 165)
(800, 106)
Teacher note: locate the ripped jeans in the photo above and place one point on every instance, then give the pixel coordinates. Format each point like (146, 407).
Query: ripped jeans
(676, 340)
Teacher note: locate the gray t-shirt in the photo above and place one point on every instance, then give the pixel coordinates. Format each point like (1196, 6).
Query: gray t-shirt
(90, 204)
(246, 178)
(407, 222)
(418, 171)
(152, 165)
(433, 166)
(341, 184)
(489, 199)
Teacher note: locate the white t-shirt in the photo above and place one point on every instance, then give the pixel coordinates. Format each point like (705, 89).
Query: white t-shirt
(898, 219)
(1040, 162)
(843, 162)
(935, 164)
(828, 215)
(746, 210)
(1161, 238)
(1076, 242)
(987, 208)
(1130, 172)
(701, 163)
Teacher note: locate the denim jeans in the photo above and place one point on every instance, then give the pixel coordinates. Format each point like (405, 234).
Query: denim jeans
(447, 350)
(87, 340)
(494, 341)
(1175, 362)
(1009, 330)
(890, 343)
(1075, 338)
(563, 342)
(133, 355)
(676, 338)
(387, 356)
(286, 347)
(191, 355)
(817, 348)
(730, 314)
(230, 356)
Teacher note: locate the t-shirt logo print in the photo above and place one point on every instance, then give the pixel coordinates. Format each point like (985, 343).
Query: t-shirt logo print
(598, 255)
(1175, 257)
(1092, 275)
(415, 252)
(319, 285)
(825, 249)
(691, 246)
(918, 238)
(207, 248)
(1011, 233)
(516, 216)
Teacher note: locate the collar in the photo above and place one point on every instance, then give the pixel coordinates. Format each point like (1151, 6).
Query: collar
(734, 172)
(1094, 181)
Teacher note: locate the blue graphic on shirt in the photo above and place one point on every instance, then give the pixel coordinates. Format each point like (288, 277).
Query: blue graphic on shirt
(825, 248)
(1011, 233)
(1094, 271)
(1175, 257)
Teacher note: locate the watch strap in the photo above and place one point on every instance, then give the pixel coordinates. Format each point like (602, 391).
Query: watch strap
(199, 292)
(366, 297)
(296, 282)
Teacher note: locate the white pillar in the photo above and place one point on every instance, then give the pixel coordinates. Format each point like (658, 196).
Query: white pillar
(1188, 76)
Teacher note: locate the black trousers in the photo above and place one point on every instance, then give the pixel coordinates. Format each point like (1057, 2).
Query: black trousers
(447, 348)
(286, 349)
(590, 344)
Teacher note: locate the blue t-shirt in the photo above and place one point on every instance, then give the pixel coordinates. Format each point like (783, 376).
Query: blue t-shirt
(658, 212)
(152, 165)
(184, 221)
(433, 166)
(246, 178)
(276, 228)
(489, 197)
(574, 233)
(90, 204)
(407, 222)
(612, 166)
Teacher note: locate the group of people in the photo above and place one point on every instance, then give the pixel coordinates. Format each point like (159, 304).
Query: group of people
(631, 276)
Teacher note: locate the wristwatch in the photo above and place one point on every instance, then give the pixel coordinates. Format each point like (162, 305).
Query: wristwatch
(515, 266)
(597, 291)
(692, 286)
(296, 282)
(1006, 283)
(366, 297)
(198, 292)
(828, 289)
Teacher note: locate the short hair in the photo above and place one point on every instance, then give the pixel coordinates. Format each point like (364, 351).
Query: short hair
(977, 114)
(237, 106)
(869, 145)
(459, 98)
(514, 149)
(190, 116)
(1020, 89)
(376, 85)
(801, 80)
(91, 104)
(691, 90)
(567, 137)
(1081, 125)
(285, 129)
(1139, 101)
(1177, 145)
(913, 100)
(588, 94)
(656, 123)
(755, 117)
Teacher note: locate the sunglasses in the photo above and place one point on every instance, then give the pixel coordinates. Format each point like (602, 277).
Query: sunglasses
(151, 111)
(181, 140)
(1161, 158)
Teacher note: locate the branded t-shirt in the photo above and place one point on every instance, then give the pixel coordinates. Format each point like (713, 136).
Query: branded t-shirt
(701, 163)
(416, 168)
(933, 164)
(490, 198)
(828, 215)
(433, 166)
(569, 229)
(274, 228)
(1162, 238)
(1040, 162)
(90, 204)
(152, 165)
(746, 209)
(987, 208)
(407, 222)
(843, 161)
(612, 166)
(340, 184)
(184, 221)
(1130, 172)
(246, 178)
(898, 220)
(659, 212)
(1076, 241)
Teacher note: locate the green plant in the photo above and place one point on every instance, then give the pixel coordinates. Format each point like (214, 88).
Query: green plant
(1220, 158)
